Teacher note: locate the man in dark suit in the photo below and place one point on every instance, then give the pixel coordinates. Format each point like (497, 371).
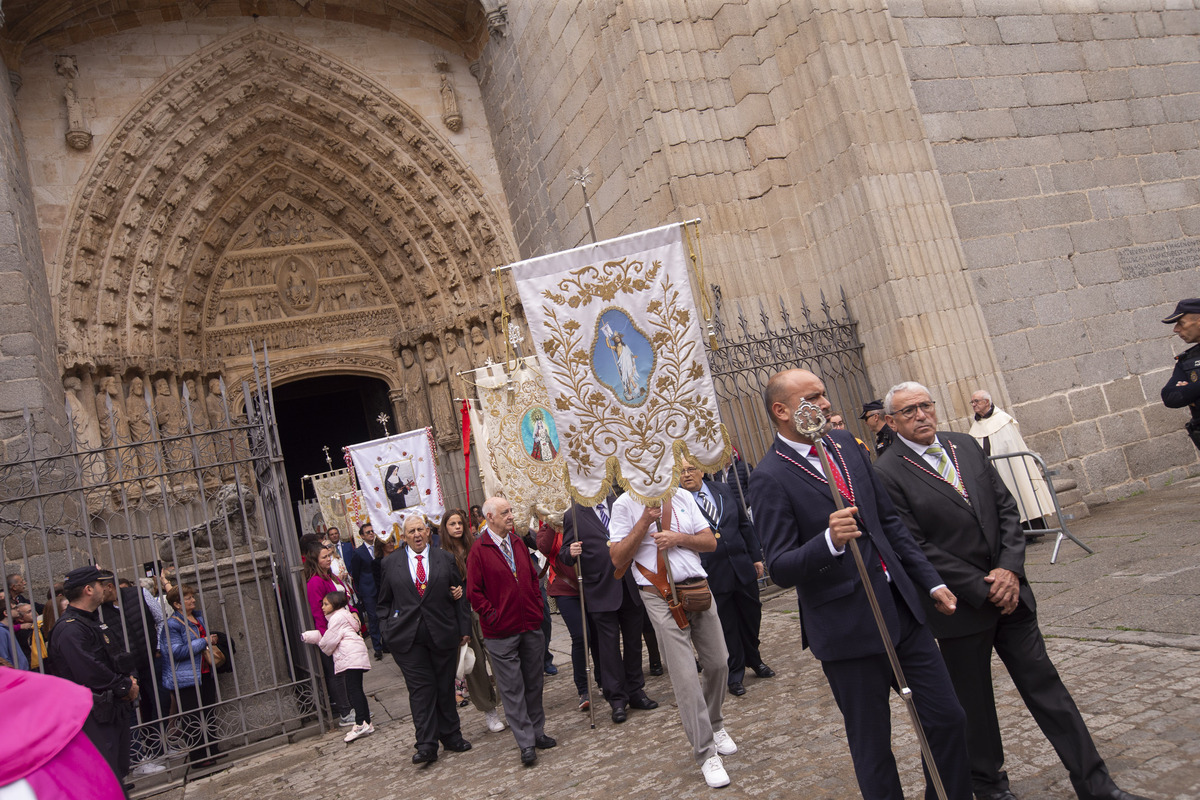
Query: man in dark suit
(969, 526)
(805, 538)
(425, 621)
(363, 578)
(613, 606)
(733, 572)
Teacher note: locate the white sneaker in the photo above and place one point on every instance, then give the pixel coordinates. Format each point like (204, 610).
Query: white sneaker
(359, 730)
(724, 742)
(494, 723)
(714, 773)
(347, 721)
(148, 768)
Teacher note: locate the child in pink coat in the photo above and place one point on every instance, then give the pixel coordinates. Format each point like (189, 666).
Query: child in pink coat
(343, 641)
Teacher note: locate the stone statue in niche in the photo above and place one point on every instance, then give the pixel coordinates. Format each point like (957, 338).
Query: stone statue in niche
(482, 348)
(114, 429)
(79, 136)
(137, 412)
(169, 415)
(87, 434)
(218, 420)
(457, 361)
(416, 414)
(440, 406)
(451, 116)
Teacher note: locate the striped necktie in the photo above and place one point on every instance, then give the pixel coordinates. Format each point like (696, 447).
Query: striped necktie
(706, 503)
(508, 555)
(944, 467)
(602, 512)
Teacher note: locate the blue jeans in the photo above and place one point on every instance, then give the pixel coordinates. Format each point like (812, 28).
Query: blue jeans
(572, 616)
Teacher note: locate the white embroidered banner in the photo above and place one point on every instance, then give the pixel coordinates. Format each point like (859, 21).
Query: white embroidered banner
(517, 437)
(619, 343)
(398, 477)
(335, 496)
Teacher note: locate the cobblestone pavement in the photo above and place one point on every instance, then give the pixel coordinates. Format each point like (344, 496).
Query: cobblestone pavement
(1123, 627)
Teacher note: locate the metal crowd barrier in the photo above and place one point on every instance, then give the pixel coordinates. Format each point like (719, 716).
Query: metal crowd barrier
(1028, 480)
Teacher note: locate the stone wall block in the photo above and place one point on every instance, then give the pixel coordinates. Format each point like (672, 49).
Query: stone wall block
(1045, 121)
(1045, 414)
(1160, 453)
(1048, 445)
(1101, 367)
(1125, 394)
(1055, 89)
(1123, 428)
(1081, 439)
(1105, 468)
(1114, 26)
(1087, 404)
(1161, 420)
(1024, 29)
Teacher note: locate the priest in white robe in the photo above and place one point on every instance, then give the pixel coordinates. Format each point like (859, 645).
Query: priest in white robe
(998, 434)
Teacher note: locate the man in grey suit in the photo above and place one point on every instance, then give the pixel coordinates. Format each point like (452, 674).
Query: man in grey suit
(969, 527)
(424, 620)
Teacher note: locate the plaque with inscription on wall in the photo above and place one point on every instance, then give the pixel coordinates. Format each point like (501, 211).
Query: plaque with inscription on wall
(1155, 259)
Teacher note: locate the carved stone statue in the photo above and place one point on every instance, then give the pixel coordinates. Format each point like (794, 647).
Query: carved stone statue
(415, 412)
(87, 434)
(78, 136)
(110, 417)
(444, 430)
(456, 362)
(451, 116)
(482, 348)
(169, 415)
(218, 421)
(138, 413)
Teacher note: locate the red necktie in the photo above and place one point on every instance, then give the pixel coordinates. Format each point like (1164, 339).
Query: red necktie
(420, 577)
(838, 480)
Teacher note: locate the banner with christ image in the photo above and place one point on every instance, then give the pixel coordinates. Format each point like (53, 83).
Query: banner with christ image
(618, 339)
(398, 477)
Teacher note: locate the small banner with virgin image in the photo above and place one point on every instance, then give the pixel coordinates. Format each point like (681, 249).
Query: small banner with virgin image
(618, 339)
(397, 476)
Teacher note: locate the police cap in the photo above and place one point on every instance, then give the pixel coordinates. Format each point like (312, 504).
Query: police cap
(1190, 306)
(871, 408)
(82, 576)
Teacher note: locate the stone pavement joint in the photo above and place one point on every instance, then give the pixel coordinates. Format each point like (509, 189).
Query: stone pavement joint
(1121, 625)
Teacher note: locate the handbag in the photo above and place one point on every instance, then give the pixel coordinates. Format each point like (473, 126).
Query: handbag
(216, 656)
(466, 661)
(691, 596)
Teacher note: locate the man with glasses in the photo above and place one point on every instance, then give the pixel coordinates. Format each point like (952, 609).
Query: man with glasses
(805, 538)
(502, 586)
(998, 433)
(733, 572)
(965, 520)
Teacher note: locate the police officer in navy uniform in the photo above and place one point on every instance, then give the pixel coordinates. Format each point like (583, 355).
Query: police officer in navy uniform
(872, 414)
(86, 651)
(1183, 389)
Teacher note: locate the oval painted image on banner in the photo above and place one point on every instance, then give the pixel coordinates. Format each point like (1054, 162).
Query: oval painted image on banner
(622, 358)
(539, 435)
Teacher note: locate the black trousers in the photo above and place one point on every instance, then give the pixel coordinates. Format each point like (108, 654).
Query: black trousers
(429, 675)
(861, 687)
(112, 739)
(358, 698)
(619, 650)
(741, 616)
(199, 731)
(1018, 641)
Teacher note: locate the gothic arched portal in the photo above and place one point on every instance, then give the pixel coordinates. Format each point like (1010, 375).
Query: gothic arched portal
(265, 192)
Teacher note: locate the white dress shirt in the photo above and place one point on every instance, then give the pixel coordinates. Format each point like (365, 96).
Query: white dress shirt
(412, 563)
(685, 518)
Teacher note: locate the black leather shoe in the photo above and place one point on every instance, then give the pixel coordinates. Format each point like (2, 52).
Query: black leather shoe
(1002, 795)
(763, 671)
(1120, 794)
(528, 756)
(619, 715)
(642, 702)
(425, 756)
(656, 669)
(459, 745)
(736, 689)
(544, 742)
(379, 655)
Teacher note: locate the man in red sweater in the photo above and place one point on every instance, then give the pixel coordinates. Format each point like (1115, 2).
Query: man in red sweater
(502, 587)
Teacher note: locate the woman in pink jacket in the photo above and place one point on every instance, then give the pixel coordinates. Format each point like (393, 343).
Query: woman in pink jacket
(343, 641)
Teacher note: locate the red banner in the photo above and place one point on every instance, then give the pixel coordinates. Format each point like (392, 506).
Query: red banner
(466, 446)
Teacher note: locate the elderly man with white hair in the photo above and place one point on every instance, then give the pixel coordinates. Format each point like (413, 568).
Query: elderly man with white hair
(502, 587)
(998, 434)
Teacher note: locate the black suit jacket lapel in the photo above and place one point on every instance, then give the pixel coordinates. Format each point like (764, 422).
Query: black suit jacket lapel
(917, 466)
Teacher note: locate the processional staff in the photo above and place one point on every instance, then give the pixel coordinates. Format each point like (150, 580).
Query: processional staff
(811, 423)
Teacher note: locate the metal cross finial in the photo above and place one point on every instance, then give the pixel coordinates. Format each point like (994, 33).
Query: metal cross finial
(382, 419)
(583, 176)
(328, 460)
(810, 420)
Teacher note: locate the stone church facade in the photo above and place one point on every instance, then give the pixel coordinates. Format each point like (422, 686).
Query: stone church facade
(1007, 191)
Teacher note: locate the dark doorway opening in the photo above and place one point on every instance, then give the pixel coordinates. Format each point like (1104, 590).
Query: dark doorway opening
(330, 411)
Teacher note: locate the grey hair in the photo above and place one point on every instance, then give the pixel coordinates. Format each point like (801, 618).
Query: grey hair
(489, 505)
(986, 394)
(906, 386)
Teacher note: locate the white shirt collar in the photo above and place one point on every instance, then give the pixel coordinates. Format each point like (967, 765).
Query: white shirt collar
(921, 448)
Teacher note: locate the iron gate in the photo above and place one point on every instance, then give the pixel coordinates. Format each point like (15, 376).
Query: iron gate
(201, 503)
(749, 354)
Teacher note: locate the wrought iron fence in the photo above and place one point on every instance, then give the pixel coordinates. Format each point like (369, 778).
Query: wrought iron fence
(206, 507)
(748, 354)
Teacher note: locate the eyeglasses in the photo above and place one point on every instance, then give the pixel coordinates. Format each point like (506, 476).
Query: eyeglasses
(908, 412)
(689, 471)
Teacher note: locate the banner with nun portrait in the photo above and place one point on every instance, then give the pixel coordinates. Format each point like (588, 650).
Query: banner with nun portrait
(618, 339)
(397, 476)
(335, 498)
(517, 438)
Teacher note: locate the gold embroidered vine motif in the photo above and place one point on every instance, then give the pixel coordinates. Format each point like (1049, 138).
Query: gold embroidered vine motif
(604, 282)
(604, 426)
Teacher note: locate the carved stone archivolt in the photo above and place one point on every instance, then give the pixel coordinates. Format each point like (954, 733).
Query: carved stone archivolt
(265, 192)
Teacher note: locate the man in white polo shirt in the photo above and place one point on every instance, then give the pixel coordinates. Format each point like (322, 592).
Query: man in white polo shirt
(637, 544)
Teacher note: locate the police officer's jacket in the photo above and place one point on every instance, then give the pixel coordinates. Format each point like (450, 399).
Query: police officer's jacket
(1187, 373)
(85, 651)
